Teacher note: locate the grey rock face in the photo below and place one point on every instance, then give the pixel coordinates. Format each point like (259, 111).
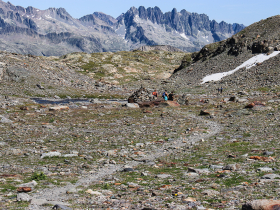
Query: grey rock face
(30, 31)
(189, 31)
(20, 28)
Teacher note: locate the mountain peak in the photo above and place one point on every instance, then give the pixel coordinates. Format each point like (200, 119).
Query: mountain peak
(192, 30)
(100, 32)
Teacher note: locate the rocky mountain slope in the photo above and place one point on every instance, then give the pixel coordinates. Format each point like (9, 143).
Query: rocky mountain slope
(184, 30)
(260, 37)
(126, 68)
(65, 143)
(71, 150)
(55, 32)
(78, 74)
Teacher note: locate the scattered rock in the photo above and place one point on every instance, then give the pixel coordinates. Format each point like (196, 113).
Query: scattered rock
(271, 176)
(50, 154)
(24, 189)
(163, 176)
(204, 112)
(262, 205)
(132, 105)
(199, 171)
(210, 192)
(5, 120)
(93, 192)
(60, 206)
(128, 169)
(58, 108)
(23, 197)
(264, 169)
(31, 184)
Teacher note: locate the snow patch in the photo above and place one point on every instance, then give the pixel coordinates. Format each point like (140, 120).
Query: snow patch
(184, 36)
(248, 64)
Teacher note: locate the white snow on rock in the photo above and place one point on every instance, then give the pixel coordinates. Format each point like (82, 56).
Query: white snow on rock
(184, 36)
(248, 64)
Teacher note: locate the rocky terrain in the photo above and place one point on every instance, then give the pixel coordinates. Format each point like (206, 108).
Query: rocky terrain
(167, 48)
(100, 154)
(70, 140)
(129, 69)
(228, 54)
(54, 32)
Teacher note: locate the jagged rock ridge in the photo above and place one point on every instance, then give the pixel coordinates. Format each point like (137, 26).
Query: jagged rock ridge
(56, 32)
(184, 30)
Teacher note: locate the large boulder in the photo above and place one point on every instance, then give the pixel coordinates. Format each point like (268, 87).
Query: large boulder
(16, 74)
(262, 205)
(2, 70)
(141, 95)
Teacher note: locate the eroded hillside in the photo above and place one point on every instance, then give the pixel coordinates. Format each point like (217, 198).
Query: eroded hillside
(260, 37)
(126, 68)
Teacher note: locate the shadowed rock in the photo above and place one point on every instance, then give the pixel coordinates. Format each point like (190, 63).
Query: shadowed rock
(262, 205)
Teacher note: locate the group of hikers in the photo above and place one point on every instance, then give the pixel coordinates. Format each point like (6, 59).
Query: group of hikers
(165, 95)
(220, 90)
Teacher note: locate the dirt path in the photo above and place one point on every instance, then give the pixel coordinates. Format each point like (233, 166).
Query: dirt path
(57, 195)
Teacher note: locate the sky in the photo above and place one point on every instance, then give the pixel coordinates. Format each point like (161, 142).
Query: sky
(231, 11)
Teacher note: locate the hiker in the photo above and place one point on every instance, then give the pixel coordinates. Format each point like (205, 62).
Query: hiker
(221, 90)
(171, 96)
(218, 90)
(155, 94)
(165, 95)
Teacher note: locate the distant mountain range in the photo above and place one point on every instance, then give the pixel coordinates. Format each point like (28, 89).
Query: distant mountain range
(54, 32)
